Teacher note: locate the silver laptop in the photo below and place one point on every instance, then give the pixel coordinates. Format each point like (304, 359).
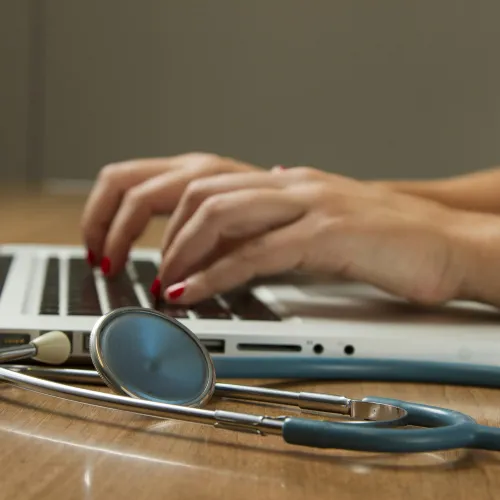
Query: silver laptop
(44, 288)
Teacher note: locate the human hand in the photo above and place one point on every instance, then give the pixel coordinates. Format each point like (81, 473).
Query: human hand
(308, 220)
(127, 195)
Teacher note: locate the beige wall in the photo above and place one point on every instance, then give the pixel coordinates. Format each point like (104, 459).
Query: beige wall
(14, 89)
(369, 89)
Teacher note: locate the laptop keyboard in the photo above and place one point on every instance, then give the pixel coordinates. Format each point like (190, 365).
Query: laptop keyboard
(120, 290)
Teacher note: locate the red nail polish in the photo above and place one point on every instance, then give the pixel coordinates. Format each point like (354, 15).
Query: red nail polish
(105, 265)
(175, 291)
(278, 168)
(90, 257)
(155, 287)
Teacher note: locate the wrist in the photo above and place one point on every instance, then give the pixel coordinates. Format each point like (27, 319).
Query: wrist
(436, 190)
(475, 241)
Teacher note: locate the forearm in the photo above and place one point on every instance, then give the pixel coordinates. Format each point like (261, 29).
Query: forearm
(478, 191)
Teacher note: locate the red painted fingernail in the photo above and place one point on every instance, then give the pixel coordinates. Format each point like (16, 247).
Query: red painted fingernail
(175, 291)
(105, 265)
(155, 287)
(90, 257)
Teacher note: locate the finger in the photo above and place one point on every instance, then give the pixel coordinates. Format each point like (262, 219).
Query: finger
(199, 190)
(275, 252)
(234, 215)
(105, 198)
(115, 181)
(139, 204)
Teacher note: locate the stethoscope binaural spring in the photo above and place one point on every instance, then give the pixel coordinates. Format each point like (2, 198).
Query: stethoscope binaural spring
(159, 368)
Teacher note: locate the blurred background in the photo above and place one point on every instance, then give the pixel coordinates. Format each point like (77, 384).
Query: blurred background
(371, 89)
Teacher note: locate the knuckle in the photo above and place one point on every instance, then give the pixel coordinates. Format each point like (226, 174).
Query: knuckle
(198, 156)
(118, 173)
(203, 162)
(313, 191)
(214, 207)
(111, 173)
(212, 164)
(134, 197)
(196, 192)
(307, 173)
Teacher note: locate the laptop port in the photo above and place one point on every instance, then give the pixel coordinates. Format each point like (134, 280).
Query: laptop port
(14, 339)
(318, 349)
(214, 346)
(270, 347)
(349, 350)
(86, 342)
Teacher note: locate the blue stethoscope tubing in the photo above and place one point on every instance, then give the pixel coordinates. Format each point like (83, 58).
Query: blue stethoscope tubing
(365, 369)
(444, 429)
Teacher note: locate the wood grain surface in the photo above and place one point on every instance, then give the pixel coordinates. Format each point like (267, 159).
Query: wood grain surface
(55, 449)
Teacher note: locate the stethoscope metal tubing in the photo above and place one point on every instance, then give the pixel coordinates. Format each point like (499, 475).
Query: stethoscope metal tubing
(327, 403)
(304, 400)
(17, 353)
(446, 429)
(219, 419)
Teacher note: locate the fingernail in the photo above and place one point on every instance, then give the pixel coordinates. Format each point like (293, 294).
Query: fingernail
(155, 287)
(90, 257)
(278, 168)
(105, 265)
(175, 291)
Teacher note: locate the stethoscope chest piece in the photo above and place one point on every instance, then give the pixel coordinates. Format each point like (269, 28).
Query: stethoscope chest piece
(169, 363)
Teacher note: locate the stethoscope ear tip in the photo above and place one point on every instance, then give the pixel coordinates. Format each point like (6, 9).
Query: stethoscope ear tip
(52, 348)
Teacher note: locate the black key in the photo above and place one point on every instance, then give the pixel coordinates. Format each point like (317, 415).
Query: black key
(5, 262)
(245, 305)
(210, 309)
(172, 310)
(83, 299)
(50, 294)
(146, 272)
(121, 291)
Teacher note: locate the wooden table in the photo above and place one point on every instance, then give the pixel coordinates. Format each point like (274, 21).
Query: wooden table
(57, 449)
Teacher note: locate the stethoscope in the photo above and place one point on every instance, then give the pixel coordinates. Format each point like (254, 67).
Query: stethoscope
(157, 367)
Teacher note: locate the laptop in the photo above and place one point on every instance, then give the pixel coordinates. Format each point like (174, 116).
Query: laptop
(51, 287)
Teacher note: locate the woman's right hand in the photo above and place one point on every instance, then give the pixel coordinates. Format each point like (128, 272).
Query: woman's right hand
(127, 195)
